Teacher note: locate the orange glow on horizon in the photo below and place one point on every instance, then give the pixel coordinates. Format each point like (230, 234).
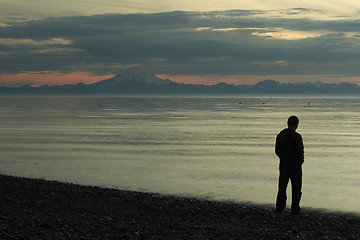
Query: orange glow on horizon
(50, 78)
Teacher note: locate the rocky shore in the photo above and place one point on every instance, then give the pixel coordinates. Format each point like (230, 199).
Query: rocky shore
(39, 209)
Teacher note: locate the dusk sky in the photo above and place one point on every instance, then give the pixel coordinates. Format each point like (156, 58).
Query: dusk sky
(189, 41)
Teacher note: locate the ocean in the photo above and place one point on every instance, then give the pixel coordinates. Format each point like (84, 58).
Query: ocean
(217, 148)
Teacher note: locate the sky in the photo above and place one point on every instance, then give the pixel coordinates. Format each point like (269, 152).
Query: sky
(189, 41)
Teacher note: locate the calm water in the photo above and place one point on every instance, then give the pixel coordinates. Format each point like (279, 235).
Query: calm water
(208, 147)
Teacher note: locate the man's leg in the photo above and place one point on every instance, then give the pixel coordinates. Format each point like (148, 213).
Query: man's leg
(296, 185)
(281, 196)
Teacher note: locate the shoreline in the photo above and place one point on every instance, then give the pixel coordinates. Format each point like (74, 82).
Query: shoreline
(41, 209)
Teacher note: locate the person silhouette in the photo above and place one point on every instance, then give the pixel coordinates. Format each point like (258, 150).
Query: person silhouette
(290, 150)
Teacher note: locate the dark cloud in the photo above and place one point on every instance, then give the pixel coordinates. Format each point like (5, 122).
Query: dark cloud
(230, 42)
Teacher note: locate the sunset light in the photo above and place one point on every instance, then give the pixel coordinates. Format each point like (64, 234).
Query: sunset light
(235, 42)
(179, 119)
(49, 78)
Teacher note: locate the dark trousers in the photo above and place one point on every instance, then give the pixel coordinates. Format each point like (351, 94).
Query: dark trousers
(294, 173)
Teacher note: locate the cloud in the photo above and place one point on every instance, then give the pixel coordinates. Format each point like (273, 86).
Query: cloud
(286, 34)
(277, 33)
(220, 43)
(216, 29)
(53, 41)
(36, 9)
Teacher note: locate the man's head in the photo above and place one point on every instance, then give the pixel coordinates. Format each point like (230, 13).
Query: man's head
(293, 122)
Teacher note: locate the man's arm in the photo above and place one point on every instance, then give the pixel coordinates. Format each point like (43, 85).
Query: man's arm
(278, 145)
(300, 149)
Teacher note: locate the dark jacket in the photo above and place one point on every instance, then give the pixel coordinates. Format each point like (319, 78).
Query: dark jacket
(289, 146)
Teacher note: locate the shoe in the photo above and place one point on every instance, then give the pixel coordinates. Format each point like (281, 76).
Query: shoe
(295, 209)
(278, 210)
(295, 212)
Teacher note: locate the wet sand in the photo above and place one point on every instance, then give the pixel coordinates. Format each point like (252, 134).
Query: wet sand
(39, 209)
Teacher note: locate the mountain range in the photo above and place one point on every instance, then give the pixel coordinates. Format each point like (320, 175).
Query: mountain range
(137, 81)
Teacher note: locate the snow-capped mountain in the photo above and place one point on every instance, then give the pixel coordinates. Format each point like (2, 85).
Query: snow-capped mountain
(132, 76)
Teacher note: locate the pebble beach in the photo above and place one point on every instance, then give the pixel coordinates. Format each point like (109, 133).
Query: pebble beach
(40, 209)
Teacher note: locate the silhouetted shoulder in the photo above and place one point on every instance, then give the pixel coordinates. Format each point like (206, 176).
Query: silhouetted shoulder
(289, 145)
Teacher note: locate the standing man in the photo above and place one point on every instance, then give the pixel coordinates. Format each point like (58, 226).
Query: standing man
(290, 149)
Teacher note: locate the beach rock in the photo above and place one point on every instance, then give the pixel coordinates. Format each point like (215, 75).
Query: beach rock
(39, 209)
